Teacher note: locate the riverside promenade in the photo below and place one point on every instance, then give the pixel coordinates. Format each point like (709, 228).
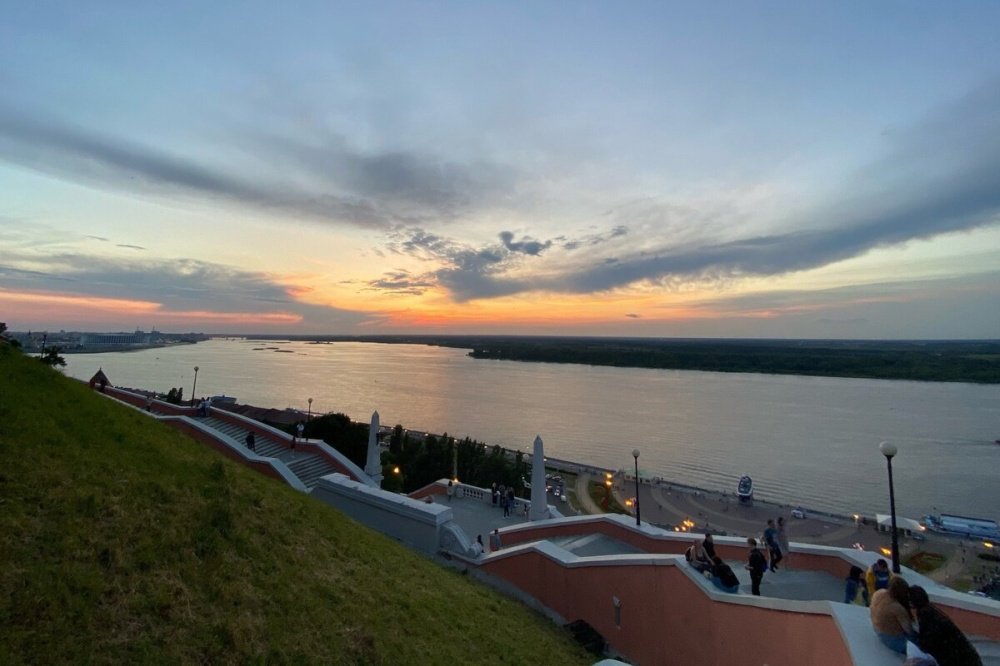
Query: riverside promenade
(671, 506)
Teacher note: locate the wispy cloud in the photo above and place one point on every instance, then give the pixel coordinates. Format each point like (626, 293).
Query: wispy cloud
(322, 180)
(130, 247)
(401, 283)
(170, 286)
(940, 176)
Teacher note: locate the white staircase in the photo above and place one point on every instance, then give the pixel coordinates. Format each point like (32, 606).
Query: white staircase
(308, 466)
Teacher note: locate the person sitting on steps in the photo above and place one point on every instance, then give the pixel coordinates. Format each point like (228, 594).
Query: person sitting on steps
(698, 557)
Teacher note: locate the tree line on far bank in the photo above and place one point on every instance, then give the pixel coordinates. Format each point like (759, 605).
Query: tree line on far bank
(421, 460)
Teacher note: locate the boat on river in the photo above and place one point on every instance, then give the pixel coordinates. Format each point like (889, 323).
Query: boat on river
(963, 526)
(744, 491)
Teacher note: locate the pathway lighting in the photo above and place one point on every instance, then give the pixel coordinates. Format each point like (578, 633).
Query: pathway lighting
(635, 454)
(987, 544)
(889, 450)
(395, 470)
(194, 387)
(309, 415)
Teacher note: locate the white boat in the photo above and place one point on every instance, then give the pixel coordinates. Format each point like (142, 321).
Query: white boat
(744, 491)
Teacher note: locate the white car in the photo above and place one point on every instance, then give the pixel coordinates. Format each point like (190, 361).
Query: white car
(798, 513)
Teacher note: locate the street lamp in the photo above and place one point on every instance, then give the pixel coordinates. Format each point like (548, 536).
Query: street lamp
(194, 386)
(889, 450)
(309, 415)
(635, 454)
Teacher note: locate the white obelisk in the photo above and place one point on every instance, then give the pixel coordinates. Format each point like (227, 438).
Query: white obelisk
(373, 467)
(539, 500)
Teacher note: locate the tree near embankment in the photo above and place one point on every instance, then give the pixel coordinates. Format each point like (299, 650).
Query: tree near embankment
(124, 541)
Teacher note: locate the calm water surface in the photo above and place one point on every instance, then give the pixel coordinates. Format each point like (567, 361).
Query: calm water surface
(805, 440)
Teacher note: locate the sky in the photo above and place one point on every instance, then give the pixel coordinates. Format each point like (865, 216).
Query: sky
(663, 169)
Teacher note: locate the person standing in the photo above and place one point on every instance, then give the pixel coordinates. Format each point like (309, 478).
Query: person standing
(783, 540)
(251, 442)
(149, 403)
(756, 565)
(771, 540)
(855, 589)
(938, 635)
(496, 495)
(878, 577)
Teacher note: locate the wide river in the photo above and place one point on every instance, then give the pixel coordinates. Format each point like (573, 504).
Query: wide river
(805, 440)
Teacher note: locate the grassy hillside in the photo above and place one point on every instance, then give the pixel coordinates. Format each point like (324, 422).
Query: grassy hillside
(123, 541)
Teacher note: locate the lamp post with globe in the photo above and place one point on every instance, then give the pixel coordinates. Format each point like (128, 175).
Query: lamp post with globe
(635, 454)
(889, 451)
(194, 386)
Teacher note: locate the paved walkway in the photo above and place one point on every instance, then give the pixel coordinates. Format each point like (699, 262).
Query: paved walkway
(582, 487)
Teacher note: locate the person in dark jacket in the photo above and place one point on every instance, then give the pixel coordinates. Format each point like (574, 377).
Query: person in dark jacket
(709, 545)
(938, 636)
(723, 576)
(756, 565)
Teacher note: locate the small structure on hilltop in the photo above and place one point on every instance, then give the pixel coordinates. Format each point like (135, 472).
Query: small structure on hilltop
(539, 500)
(99, 379)
(373, 466)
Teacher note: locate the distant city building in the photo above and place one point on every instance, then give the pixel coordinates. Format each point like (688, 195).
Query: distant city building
(117, 339)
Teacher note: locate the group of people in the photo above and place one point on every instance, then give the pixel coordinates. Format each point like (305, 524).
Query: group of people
(907, 622)
(204, 407)
(701, 555)
(859, 592)
(504, 497)
(495, 543)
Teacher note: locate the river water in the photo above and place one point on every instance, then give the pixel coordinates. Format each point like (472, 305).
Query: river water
(804, 440)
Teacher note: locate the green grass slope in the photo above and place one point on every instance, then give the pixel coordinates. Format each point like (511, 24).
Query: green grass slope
(123, 541)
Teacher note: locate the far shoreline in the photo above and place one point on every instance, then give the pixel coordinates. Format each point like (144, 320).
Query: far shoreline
(947, 361)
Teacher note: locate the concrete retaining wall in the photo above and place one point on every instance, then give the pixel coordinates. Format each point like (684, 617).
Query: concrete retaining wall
(415, 523)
